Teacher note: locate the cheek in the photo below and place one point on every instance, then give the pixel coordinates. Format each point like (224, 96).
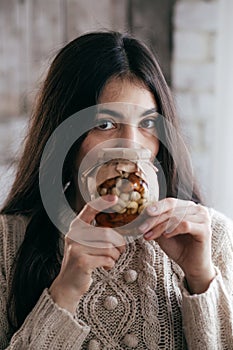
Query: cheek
(88, 144)
(84, 149)
(155, 147)
(151, 142)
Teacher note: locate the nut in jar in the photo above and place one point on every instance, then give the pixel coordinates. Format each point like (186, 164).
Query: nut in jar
(130, 175)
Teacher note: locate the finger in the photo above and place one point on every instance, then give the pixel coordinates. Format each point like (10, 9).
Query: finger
(78, 253)
(90, 210)
(168, 204)
(104, 245)
(192, 218)
(105, 235)
(111, 252)
(175, 216)
(187, 226)
(156, 231)
(194, 214)
(88, 235)
(92, 262)
(99, 248)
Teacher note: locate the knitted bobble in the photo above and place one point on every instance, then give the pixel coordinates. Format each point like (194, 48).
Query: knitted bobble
(110, 303)
(93, 345)
(131, 340)
(130, 276)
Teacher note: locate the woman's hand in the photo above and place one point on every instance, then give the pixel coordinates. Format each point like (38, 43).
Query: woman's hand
(86, 248)
(183, 231)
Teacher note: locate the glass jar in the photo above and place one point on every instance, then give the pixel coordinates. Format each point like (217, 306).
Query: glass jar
(131, 176)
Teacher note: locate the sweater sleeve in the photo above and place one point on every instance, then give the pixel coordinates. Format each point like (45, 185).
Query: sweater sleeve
(208, 317)
(47, 326)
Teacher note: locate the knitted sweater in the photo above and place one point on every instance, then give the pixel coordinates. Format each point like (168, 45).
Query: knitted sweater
(141, 303)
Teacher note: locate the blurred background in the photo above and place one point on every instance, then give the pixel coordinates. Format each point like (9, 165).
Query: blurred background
(192, 40)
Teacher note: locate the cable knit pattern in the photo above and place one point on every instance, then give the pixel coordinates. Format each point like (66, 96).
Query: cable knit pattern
(141, 303)
(149, 299)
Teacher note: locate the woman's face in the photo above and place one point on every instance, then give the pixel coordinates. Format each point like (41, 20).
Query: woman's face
(130, 123)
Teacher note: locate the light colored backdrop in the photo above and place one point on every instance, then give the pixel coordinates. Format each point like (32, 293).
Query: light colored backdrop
(31, 32)
(203, 83)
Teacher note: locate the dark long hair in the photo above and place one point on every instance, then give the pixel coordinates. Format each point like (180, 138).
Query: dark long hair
(74, 82)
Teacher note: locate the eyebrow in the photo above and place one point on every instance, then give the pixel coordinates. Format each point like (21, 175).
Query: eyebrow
(150, 111)
(120, 115)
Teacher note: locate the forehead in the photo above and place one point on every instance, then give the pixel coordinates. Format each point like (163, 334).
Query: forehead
(128, 91)
(126, 97)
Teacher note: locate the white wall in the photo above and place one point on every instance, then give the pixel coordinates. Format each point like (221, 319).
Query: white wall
(199, 42)
(222, 155)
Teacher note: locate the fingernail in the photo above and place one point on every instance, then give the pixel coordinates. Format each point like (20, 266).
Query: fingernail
(143, 227)
(152, 209)
(148, 234)
(168, 230)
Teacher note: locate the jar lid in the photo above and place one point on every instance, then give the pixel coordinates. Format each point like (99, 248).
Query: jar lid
(107, 154)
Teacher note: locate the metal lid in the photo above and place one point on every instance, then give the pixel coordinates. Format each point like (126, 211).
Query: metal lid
(126, 153)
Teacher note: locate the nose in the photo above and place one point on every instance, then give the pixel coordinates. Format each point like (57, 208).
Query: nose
(130, 136)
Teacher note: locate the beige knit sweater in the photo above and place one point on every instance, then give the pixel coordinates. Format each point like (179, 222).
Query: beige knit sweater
(141, 303)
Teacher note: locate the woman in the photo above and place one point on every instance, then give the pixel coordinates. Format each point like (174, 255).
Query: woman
(169, 289)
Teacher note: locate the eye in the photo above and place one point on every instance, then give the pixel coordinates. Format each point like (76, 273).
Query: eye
(148, 123)
(105, 124)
